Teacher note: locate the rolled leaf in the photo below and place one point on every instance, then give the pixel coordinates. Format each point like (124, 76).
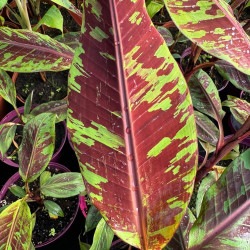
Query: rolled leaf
(103, 237)
(7, 88)
(153, 7)
(28, 51)
(225, 210)
(238, 107)
(37, 146)
(213, 27)
(132, 123)
(230, 73)
(56, 107)
(206, 129)
(52, 18)
(15, 226)
(63, 185)
(200, 100)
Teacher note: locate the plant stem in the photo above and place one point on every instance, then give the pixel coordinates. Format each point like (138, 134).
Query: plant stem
(22, 7)
(229, 144)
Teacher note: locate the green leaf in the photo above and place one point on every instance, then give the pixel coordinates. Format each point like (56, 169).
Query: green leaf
(15, 226)
(153, 7)
(52, 18)
(28, 51)
(53, 208)
(17, 191)
(84, 246)
(71, 39)
(37, 146)
(166, 34)
(68, 5)
(28, 103)
(2, 208)
(56, 107)
(44, 177)
(7, 134)
(238, 107)
(201, 79)
(103, 236)
(3, 3)
(7, 88)
(93, 218)
(212, 26)
(206, 129)
(63, 185)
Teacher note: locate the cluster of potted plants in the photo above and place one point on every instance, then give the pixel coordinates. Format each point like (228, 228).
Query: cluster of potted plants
(157, 107)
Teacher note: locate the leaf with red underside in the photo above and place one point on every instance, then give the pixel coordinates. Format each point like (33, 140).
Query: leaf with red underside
(223, 222)
(28, 51)
(37, 146)
(213, 27)
(131, 120)
(15, 226)
(237, 78)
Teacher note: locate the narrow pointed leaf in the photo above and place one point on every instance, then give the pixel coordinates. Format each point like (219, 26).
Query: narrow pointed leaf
(7, 88)
(28, 51)
(103, 236)
(15, 226)
(236, 77)
(63, 185)
(213, 27)
(206, 129)
(52, 18)
(238, 107)
(199, 98)
(132, 123)
(28, 104)
(223, 222)
(92, 218)
(56, 107)
(37, 146)
(53, 208)
(7, 134)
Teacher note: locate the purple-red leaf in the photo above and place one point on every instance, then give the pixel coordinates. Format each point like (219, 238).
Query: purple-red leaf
(132, 124)
(213, 27)
(225, 213)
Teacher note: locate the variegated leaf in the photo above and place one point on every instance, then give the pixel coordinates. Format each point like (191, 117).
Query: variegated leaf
(7, 88)
(230, 73)
(37, 146)
(238, 107)
(28, 51)
(223, 222)
(15, 226)
(132, 123)
(71, 39)
(206, 129)
(213, 27)
(200, 82)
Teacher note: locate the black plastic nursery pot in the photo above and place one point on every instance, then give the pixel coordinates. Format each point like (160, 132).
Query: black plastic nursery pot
(43, 221)
(60, 140)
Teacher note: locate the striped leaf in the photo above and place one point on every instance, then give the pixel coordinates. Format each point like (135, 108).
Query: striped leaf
(223, 222)
(15, 226)
(213, 27)
(37, 146)
(28, 51)
(132, 123)
(200, 83)
(237, 78)
(239, 108)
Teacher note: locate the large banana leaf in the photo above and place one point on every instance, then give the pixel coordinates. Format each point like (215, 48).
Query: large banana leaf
(213, 27)
(132, 123)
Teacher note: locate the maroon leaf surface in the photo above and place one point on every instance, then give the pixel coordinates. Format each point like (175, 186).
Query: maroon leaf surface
(132, 123)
